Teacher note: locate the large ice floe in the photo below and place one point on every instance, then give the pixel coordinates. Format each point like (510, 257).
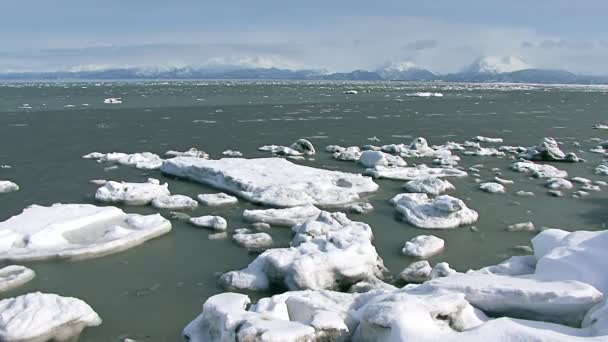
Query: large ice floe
(37, 317)
(442, 212)
(538, 170)
(144, 160)
(75, 231)
(414, 172)
(283, 217)
(554, 295)
(430, 185)
(132, 193)
(273, 181)
(8, 186)
(328, 252)
(14, 276)
(548, 150)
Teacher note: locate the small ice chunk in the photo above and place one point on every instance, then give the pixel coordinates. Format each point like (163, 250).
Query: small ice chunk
(503, 181)
(487, 139)
(430, 185)
(14, 276)
(538, 170)
(253, 241)
(492, 187)
(375, 158)
(209, 221)
(175, 202)
(8, 186)
(580, 180)
(441, 270)
(548, 150)
(523, 226)
(363, 208)
(414, 172)
(216, 199)
(132, 193)
(231, 153)
(558, 184)
(283, 217)
(423, 246)
(524, 193)
(442, 212)
(416, 272)
(352, 153)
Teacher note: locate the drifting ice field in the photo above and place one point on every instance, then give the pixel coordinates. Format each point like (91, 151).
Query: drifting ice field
(151, 292)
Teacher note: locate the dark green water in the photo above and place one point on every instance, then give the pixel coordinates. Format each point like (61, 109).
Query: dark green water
(151, 292)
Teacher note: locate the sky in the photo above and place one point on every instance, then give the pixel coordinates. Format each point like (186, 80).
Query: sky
(336, 36)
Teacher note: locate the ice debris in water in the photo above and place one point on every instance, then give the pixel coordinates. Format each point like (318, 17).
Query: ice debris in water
(8, 186)
(548, 150)
(492, 187)
(210, 221)
(442, 212)
(423, 246)
(175, 202)
(14, 276)
(192, 152)
(430, 185)
(298, 148)
(282, 217)
(216, 199)
(144, 160)
(132, 193)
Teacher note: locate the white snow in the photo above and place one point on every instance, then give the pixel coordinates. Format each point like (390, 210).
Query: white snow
(216, 199)
(210, 221)
(414, 172)
(442, 212)
(132, 193)
(326, 253)
(282, 217)
(175, 202)
(498, 64)
(75, 231)
(144, 160)
(423, 246)
(273, 181)
(14, 276)
(8, 186)
(44, 317)
(431, 186)
(492, 187)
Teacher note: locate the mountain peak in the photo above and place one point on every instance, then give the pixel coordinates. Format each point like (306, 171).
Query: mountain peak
(497, 65)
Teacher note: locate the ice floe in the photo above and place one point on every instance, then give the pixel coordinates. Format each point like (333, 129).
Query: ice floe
(75, 231)
(231, 153)
(192, 152)
(273, 181)
(352, 153)
(175, 202)
(430, 185)
(416, 272)
(414, 172)
(378, 158)
(298, 148)
(548, 150)
(538, 170)
(216, 199)
(253, 241)
(361, 208)
(492, 187)
(44, 317)
(8, 186)
(14, 276)
(442, 212)
(132, 193)
(328, 252)
(487, 139)
(417, 148)
(210, 221)
(283, 217)
(423, 246)
(558, 184)
(144, 160)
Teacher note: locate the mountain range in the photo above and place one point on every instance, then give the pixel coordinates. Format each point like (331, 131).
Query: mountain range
(484, 70)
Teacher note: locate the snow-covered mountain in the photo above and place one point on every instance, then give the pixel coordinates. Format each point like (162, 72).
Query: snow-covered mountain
(405, 71)
(497, 65)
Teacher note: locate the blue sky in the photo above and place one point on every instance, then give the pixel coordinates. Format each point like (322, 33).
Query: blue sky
(443, 35)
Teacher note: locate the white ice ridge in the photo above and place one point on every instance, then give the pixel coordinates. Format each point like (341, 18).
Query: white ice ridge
(75, 231)
(328, 252)
(132, 193)
(561, 284)
(442, 212)
(283, 217)
(273, 181)
(144, 160)
(14, 276)
(414, 172)
(44, 317)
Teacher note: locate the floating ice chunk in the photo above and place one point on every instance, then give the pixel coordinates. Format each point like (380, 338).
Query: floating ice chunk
(231, 153)
(512, 149)
(375, 158)
(417, 148)
(334, 148)
(548, 150)
(280, 150)
(423, 246)
(447, 160)
(558, 184)
(503, 181)
(175, 202)
(216, 199)
(602, 169)
(485, 151)
(283, 217)
(442, 269)
(132, 193)
(253, 241)
(273, 181)
(442, 212)
(555, 193)
(303, 146)
(192, 152)
(600, 126)
(492, 187)
(363, 208)
(8, 186)
(520, 296)
(209, 221)
(538, 170)
(580, 180)
(416, 272)
(144, 160)
(414, 172)
(524, 193)
(113, 100)
(98, 182)
(591, 187)
(425, 94)
(44, 317)
(352, 153)
(350, 92)
(75, 231)
(14, 276)
(514, 266)
(487, 139)
(523, 226)
(431, 186)
(329, 252)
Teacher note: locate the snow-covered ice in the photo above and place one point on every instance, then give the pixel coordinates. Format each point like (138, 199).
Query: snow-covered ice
(273, 181)
(538, 170)
(375, 158)
(414, 172)
(14, 276)
(144, 160)
(75, 231)
(487, 139)
(132, 193)
(216, 199)
(44, 317)
(192, 152)
(254, 240)
(416, 272)
(423, 246)
(175, 202)
(548, 150)
(282, 217)
(558, 184)
(8, 186)
(430, 185)
(492, 187)
(352, 153)
(210, 221)
(442, 212)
